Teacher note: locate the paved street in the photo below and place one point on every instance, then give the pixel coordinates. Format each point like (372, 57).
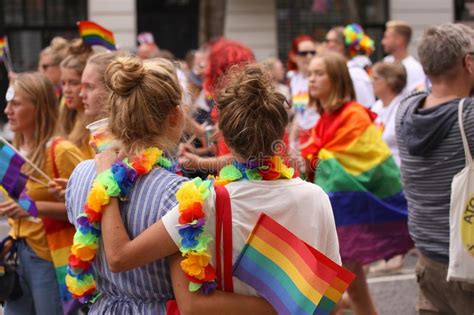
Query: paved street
(395, 293)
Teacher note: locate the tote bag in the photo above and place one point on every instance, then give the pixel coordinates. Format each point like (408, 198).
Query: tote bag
(461, 217)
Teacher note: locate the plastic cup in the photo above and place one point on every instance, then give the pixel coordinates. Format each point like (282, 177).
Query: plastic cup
(101, 139)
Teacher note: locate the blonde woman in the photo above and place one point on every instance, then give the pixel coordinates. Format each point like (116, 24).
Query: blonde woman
(50, 59)
(72, 119)
(32, 112)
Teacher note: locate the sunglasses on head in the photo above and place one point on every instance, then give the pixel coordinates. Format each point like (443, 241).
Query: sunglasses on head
(305, 53)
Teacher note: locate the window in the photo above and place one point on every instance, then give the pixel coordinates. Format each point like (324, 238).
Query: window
(31, 24)
(316, 17)
(173, 23)
(464, 10)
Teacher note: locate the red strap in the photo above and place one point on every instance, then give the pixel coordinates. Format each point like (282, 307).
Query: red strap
(53, 156)
(224, 226)
(219, 201)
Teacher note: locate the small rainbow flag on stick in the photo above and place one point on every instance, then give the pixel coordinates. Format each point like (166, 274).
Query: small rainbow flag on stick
(94, 34)
(290, 274)
(3, 44)
(12, 180)
(5, 53)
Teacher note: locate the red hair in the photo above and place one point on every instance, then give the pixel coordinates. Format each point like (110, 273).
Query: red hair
(224, 54)
(294, 49)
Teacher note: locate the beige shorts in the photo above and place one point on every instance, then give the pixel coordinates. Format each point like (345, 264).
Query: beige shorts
(436, 295)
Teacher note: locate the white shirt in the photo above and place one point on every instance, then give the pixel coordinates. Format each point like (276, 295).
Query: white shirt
(306, 118)
(299, 91)
(301, 207)
(362, 84)
(416, 78)
(386, 118)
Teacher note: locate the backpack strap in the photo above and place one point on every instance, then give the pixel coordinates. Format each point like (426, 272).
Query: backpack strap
(52, 148)
(224, 233)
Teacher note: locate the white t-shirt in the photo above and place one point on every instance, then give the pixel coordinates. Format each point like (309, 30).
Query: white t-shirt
(386, 118)
(416, 78)
(301, 207)
(299, 91)
(306, 118)
(362, 84)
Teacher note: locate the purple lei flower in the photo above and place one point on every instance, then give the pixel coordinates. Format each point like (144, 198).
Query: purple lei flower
(199, 223)
(85, 226)
(208, 287)
(125, 176)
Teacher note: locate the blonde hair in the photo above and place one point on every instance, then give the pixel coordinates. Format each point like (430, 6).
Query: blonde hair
(40, 91)
(252, 114)
(342, 89)
(73, 122)
(401, 28)
(142, 97)
(393, 73)
(102, 60)
(57, 50)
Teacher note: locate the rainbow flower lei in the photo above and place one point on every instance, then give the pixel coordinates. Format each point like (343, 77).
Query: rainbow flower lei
(114, 182)
(191, 197)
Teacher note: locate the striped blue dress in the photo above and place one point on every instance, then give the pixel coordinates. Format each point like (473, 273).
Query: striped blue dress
(142, 290)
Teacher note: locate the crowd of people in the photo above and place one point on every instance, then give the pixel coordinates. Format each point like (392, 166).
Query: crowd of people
(356, 159)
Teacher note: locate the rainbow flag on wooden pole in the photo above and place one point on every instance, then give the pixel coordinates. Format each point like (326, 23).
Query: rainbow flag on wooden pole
(291, 275)
(94, 34)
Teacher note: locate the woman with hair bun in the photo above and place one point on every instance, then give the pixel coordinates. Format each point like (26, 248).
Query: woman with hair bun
(249, 108)
(72, 119)
(50, 59)
(146, 120)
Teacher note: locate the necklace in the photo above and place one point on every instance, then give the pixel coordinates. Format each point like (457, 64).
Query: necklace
(114, 182)
(191, 197)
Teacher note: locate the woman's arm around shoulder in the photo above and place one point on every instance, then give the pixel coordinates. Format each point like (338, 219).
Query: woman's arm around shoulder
(219, 302)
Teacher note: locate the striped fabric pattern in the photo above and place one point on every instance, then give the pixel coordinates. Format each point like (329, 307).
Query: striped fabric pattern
(355, 167)
(294, 277)
(94, 34)
(427, 181)
(142, 290)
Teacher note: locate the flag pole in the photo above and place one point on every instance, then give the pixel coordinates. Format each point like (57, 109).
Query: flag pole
(6, 50)
(39, 181)
(36, 168)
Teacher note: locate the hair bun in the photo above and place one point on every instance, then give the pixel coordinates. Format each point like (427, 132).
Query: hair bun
(78, 48)
(124, 74)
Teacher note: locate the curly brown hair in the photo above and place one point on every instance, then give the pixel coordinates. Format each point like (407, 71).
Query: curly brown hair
(252, 114)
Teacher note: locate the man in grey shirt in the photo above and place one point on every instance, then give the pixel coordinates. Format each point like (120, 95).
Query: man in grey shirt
(431, 153)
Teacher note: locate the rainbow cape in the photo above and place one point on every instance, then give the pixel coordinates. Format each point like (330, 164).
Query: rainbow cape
(356, 169)
(59, 235)
(94, 34)
(291, 275)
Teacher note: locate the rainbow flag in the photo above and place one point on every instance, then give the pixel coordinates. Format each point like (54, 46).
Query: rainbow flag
(300, 101)
(3, 44)
(94, 34)
(291, 275)
(11, 177)
(355, 167)
(13, 180)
